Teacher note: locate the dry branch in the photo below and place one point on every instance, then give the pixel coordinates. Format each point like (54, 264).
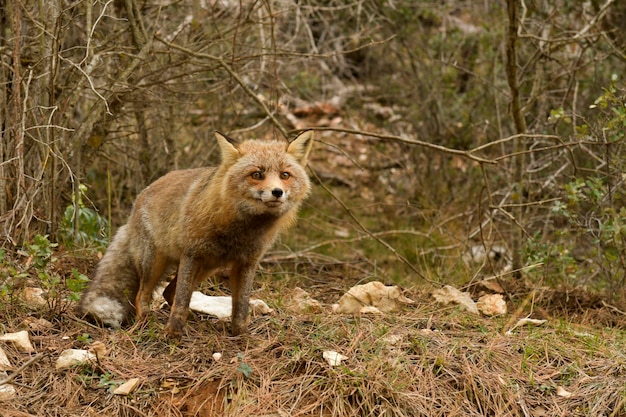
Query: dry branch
(376, 237)
(22, 367)
(466, 154)
(224, 65)
(520, 127)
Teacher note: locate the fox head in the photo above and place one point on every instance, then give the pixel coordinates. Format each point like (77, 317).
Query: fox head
(265, 177)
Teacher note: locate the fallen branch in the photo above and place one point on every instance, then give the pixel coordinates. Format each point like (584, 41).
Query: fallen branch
(24, 366)
(613, 308)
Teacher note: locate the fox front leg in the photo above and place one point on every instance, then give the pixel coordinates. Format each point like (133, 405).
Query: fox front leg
(184, 285)
(241, 277)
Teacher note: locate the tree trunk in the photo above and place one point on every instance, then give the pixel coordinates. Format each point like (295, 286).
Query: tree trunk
(517, 236)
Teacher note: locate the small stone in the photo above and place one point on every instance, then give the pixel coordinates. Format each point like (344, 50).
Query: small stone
(34, 297)
(5, 364)
(333, 358)
(37, 324)
(20, 340)
(100, 349)
(299, 301)
(73, 357)
(7, 391)
(260, 307)
(127, 387)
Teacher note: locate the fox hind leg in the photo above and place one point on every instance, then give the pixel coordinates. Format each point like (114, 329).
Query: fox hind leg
(170, 291)
(182, 287)
(153, 270)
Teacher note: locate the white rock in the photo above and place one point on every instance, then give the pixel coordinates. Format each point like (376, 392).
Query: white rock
(217, 356)
(260, 307)
(99, 349)
(299, 301)
(73, 357)
(562, 392)
(393, 339)
(333, 358)
(21, 341)
(449, 294)
(478, 254)
(37, 324)
(7, 391)
(127, 387)
(370, 310)
(34, 297)
(5, 364)
(222, 306)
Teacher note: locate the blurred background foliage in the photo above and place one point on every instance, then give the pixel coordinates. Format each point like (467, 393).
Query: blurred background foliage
(420, 171)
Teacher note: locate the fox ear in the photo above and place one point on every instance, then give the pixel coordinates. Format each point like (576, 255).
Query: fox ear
(301, 146)
(227, 146)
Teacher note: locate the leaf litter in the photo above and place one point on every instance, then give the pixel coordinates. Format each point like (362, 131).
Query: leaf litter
(420, 360)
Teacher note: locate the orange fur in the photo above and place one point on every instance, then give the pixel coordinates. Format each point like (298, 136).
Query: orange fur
(199, 220)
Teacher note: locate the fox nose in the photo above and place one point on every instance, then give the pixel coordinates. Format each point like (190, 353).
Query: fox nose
(277, 192)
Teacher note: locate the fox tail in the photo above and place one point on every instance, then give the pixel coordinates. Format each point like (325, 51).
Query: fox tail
(110, 297)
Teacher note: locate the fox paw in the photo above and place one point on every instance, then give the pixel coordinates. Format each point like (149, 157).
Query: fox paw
(173, 330)
(237, 329)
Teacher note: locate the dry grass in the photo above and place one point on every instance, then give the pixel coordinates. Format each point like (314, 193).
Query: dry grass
(423, 361)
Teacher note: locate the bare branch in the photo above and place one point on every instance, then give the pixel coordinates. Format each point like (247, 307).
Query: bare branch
(376, 237)
(25, 365)
(466, 154)
(220, 61)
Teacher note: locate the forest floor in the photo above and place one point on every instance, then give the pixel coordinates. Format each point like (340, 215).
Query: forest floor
(424, 360)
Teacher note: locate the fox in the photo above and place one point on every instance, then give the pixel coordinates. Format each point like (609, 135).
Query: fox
(198, 221)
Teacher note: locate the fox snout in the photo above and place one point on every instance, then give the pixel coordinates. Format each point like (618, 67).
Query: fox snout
(272, 195)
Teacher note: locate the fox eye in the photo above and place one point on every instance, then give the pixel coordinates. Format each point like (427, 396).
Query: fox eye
(257, 175)
(285, 175)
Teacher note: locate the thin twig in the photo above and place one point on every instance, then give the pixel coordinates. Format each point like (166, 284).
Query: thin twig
(613, 308)
(22, 367)
(90, 81)
(349, 240)
(220, 61)
(594, 20)
(512, 137)
(374, 236)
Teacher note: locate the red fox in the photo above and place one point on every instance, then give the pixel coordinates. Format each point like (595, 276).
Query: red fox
(200, 220)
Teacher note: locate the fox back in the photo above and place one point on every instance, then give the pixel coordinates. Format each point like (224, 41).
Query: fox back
(199, 220)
